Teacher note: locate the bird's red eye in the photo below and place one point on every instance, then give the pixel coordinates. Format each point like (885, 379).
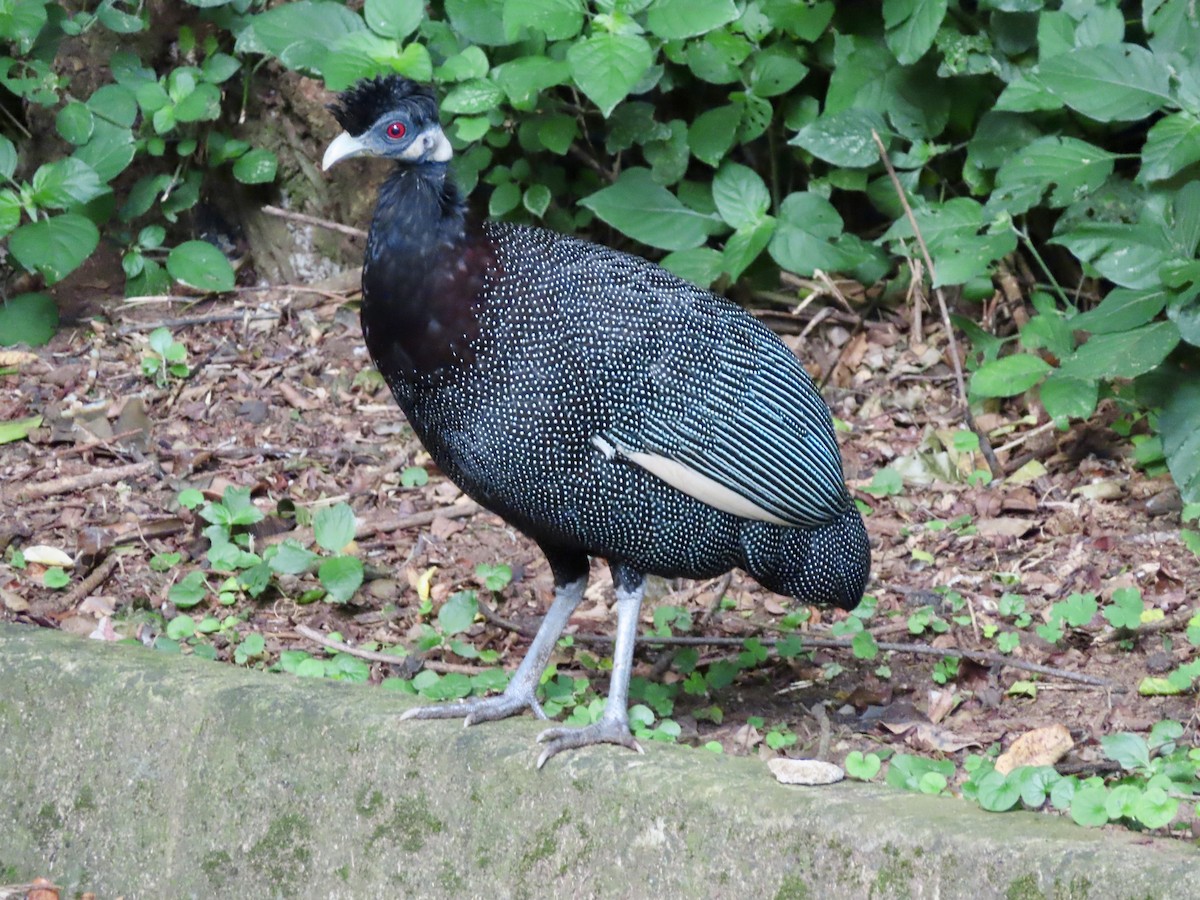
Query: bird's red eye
(395, 130)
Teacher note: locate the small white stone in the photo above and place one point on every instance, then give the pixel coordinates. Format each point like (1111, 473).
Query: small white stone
(805, 771)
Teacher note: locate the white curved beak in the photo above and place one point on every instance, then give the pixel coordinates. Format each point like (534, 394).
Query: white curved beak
(344, 146)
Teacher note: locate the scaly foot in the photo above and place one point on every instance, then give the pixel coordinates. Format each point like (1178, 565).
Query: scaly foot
(609, 730)
(481, 709)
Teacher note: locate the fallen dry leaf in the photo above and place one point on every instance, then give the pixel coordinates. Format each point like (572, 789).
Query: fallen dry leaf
(1040, 747)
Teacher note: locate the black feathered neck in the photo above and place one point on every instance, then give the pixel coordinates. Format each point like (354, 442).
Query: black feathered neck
(361, 106)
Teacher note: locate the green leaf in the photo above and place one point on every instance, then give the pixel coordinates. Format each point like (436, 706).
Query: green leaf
(1068, 398)
(180, 627)
(65, 182)
(537, 199)
(54, 247)
(17, 429)
(1076, 169)
(996, 793)
(646, 211)
(1008, 376)
(472, 97)
(293, 559)
(556, 19)
(341, 576)
(188, 591)
(843, 138)
(219, 68)
(114, 103)
(458, 612)
(711, 133)
(55, 578)
(200, 265)
(334, 526)
(744, 246)
(1126, 609)
(524, 79)
(1088, 806)
(479, 21)
(256, 167)
(775, 73)
(109, 152)
(75, 123)
(394, 18)
(864, 768)
(911, 26)
(28, 319)
(8, 158)
(1121, 310)
(1179, 425)
(1124, 355)
(700, 265)
(676, 19)
(1114, 83)
(1154, 808)
(804, 236)
(741, 195)
(607, 66)
(1172, 144)
(1129, 751)
(469, 63)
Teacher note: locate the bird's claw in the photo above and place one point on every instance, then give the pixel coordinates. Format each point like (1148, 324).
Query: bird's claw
(606, 731)
(481, 709)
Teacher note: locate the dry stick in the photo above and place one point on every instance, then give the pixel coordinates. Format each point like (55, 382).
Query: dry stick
(995, 659)
(196, 320)
(83, 590)
(105, 443)
(457, 511)
(313, 220)
(92, 479)
(445, 668)
(984, 446)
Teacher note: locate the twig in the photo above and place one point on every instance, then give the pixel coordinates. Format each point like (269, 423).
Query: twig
(313, 220)
(1018, 441)
(1177, 619)
(457, 511)
(92, 479)
(83, 590)
(246, 316)
(105, 443)
(985, 446)
(985, 656)
(390, 658)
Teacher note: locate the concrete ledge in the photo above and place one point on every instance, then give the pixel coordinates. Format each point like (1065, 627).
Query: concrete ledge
(127, 772)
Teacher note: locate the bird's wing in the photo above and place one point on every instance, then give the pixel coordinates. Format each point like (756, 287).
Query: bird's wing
(728, 415)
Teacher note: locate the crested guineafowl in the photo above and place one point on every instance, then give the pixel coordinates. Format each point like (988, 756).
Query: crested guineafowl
(598, 403)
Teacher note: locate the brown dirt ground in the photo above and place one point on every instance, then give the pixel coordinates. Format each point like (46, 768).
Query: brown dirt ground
(274, 404)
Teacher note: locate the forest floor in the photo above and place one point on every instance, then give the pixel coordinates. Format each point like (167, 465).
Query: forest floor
(281, 400)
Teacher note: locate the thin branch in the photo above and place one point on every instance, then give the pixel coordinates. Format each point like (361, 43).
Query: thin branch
(94, 478)
(244, 316)
(313, 220)
(981, 656)
(84, 589)
(389, 658)
(985, 446)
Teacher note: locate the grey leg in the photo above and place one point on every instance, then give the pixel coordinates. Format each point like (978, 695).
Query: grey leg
(521, 691)
(613, 727)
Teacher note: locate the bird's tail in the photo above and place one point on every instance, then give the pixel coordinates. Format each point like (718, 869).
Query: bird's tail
(824, 566)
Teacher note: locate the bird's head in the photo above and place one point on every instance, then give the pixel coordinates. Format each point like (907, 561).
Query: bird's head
(388, 116)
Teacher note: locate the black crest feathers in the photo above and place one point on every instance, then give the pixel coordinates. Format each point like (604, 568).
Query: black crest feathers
(360, 107)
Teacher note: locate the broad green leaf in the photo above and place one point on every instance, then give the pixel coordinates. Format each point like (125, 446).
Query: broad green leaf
(803, 237)
(557, 19)
(479, 95)
(56, 246)
(744, 246)
(479, 21)
(741, 195)
(74, 123)
(958, 259)
(676, 19)
(701, 265)
(27, 319)
(1179, 425)
(644, 210)
(200, 265)
(1088, 806)
(1114, 83)
(1130, 751)
(341, 576)
(8, 157)
(1172, 144)
(1154, 808)
(256, 167)
(911, 26)
(464, 66)
(203, 104)
(844, 138)
(523, 79)
(188, 591)
(775, 73)
(1068, 398)
(711, 133)
(997, 793)
(333, 527)
(293, 559)
(1008, 376)
(219, 68)
(1075, 168)
(1123, 354)
(1121, 310)
(1129, 255)
(458, 612)
(606, 67)
(65, 182)
(109, 152)
(17, 429)
(718, 58)
(537, 199)
(395, 19)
